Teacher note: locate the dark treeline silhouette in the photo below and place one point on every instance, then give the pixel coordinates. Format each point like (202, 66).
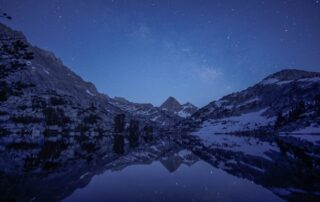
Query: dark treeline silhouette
(119, 126)
(294, 114)
(297, 112)
(148, 133)
(280, 121)
(317, 104)
(118, 144)
(119, 123)
(134, 133)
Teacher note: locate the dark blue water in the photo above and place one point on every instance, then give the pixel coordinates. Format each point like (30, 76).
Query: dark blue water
(153, 182)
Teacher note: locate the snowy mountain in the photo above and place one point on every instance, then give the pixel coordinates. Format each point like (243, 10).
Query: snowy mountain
(46, 109)
(48, 114)
(45, 96)
(146, 112)
(167, 115)
(172, 105)
(285, 101)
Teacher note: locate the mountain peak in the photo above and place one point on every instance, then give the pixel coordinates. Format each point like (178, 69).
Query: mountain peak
(171, 104)
(292, 74)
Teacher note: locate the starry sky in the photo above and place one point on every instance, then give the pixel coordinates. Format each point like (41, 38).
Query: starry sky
(194, 50)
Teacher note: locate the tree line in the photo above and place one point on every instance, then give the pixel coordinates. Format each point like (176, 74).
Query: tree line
(133, 133)
(297, 112)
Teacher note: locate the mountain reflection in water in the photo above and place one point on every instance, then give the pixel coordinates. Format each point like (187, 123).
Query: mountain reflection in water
(172, 178)
(223, 168)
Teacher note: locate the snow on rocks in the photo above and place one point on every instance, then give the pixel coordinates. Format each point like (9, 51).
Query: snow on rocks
(89, 92)
(247, 145)
(244, 122)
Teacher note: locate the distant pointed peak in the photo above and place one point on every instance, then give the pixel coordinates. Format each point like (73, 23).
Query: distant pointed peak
(171, 103)
(172, 99)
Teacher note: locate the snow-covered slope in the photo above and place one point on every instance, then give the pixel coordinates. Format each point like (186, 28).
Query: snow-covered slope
(259, 106)
(173, 106)
(45, 95)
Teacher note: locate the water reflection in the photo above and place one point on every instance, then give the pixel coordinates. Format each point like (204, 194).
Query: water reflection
(291, 173)
(178, 177)
(223, 168)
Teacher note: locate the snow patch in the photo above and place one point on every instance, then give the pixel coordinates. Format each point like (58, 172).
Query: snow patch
(219, 103)
(249, 101)
(183, 114)
(184, 152)
(84, 175)
(89, 92)
(269, 81)
(309, 129)
(315, 139)
(244, 122)
(247, 145)
(314, 79)
(28, 63)
(154, 118)
(46, 71)
(284, 82)
(278, 82)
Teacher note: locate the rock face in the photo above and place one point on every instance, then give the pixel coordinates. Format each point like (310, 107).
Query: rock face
(285, 101)
(47, 96)
(146, 113)
(166, 116)
(173, 106)
(48, 114)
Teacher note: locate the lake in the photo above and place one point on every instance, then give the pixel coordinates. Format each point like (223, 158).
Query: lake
(212, 167)
(159, 182)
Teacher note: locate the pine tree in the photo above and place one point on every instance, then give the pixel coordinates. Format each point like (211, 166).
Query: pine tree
(279, 121)
(317, 104)
(118, 144)
(134, 133)
(148, 133)
(297, 111)
(119, 123)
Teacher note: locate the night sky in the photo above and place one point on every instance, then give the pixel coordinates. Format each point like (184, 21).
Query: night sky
(194, 50)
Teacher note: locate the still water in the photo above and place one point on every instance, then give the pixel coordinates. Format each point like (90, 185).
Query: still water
(198, 181)
(216, 168)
